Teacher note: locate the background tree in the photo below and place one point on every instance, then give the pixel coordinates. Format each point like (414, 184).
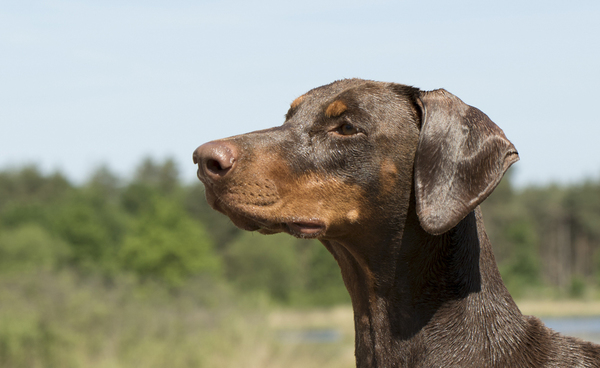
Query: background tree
(164, 243)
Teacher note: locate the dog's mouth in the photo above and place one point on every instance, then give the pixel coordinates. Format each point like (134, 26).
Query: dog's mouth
(306, 229)
(256, 218)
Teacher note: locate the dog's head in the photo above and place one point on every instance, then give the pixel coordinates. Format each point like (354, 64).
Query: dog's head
(351, 153)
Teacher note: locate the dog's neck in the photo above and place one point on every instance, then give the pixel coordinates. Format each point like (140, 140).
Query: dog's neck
(418, 293)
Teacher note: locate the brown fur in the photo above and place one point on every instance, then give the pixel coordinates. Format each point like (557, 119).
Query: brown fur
(296, 102)
(335, 109)
(395, 200)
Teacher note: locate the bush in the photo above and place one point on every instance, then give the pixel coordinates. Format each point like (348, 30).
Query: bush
(28, 248)
(265, 264)
(93, 229)
(165, 244)
(577, 287)
(290, 270)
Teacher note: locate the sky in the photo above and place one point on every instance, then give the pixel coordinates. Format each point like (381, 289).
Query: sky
(91, 83)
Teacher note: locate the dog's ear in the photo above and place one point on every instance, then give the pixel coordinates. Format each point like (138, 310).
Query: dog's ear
(460, 159)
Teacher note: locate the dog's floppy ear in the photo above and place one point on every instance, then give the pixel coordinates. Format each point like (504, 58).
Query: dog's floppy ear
(461, 157)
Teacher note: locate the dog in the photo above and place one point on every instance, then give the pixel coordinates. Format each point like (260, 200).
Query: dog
(389, 178)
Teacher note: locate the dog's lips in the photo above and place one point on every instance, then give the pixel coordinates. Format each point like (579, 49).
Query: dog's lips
(306, 229)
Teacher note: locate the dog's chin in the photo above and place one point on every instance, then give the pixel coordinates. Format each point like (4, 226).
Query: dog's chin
(250, 219)
(305, 229)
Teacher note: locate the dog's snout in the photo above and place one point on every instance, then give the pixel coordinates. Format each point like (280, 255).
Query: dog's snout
(215, 160)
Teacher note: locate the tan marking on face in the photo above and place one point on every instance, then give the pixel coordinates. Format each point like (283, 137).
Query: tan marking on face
(352, 215)
(320, 197)
(259, 192)
(297, 102)
(336, 108)
(388, 175)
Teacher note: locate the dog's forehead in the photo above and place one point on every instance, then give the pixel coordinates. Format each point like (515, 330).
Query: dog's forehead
(328, 92)
(383, 106)
(317, 101)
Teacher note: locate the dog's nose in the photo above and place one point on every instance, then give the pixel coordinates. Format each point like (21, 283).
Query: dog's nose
(215, 160)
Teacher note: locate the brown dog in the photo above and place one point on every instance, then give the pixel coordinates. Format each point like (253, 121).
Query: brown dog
(389, 179)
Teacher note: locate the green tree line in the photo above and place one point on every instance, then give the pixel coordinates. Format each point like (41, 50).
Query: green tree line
(546, 235)
(156, 228)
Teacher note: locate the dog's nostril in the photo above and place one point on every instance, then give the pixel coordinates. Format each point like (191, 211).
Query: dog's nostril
(214, 166)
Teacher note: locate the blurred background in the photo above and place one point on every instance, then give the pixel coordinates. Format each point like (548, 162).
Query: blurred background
(109, 254)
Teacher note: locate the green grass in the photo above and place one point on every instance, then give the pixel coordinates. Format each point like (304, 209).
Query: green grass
(60, 320)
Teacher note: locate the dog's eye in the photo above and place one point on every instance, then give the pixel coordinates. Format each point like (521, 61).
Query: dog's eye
(347, 129)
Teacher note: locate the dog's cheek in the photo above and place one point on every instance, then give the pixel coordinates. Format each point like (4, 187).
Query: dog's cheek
(325, 197)
(346, 207)
(388, 178)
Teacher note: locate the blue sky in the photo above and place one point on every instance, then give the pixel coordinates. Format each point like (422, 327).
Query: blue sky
(86, 83)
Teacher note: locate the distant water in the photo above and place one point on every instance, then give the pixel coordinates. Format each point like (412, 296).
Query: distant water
(587, 328)
(310, 336)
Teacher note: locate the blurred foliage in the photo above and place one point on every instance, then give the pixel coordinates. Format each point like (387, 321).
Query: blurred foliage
(59, 320)
(29, 248)
(268, 264)
(546, 236)
(91, 226)
(164, 242)
(289, 270)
